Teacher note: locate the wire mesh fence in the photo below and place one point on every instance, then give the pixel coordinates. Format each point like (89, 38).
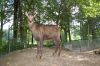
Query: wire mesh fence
(83, 45)
(76, 45)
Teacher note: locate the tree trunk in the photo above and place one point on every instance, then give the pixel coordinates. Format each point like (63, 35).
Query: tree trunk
(1, 33)
(93, 32)
(69, 32)
(84, 30)
(92, 24)
(23, 30)
(65, 33)
(15, 24)
(1, 30)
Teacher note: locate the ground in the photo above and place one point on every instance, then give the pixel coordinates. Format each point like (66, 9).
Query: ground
(27, 57)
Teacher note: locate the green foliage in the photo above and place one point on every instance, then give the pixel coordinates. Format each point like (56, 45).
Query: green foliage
(49, 44)
(2, 15)
(90, 8)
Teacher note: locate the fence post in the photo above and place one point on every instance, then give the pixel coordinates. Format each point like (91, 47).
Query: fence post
(8, 40)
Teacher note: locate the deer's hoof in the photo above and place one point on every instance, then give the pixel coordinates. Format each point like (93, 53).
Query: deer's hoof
(38, 56)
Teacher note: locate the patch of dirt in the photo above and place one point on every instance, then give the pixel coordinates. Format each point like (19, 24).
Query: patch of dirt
(27, 57)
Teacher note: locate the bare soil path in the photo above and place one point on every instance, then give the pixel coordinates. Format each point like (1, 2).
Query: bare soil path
(27, 57)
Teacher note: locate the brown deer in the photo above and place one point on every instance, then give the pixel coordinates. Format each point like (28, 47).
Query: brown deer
(44, 32)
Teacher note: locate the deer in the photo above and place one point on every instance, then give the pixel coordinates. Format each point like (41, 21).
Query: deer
(43, 32)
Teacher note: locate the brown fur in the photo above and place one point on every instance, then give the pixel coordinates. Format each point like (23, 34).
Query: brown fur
(44, 32)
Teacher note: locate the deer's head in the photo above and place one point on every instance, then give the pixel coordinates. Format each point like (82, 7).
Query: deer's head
(30, 16)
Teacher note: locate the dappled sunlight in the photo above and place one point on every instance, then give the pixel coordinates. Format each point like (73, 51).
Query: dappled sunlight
(81, 58)
(35, 48)
(68, 56)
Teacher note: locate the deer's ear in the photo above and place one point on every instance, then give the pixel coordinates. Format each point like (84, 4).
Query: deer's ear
(26, 13)
(35, 15)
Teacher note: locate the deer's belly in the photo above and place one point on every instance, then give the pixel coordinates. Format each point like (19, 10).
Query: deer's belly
(44, 36)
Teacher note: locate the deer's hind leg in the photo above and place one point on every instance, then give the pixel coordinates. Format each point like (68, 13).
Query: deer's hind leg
(56, 47)
(59, 48)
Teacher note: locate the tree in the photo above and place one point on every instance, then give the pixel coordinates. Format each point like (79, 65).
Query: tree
(15, 23)
(2, 17)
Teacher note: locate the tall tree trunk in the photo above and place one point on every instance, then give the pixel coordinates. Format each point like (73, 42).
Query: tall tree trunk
(93, 30)
(92, 24)
(65, 33)
(15, 24)
(84, 30)
(69, 32)
(59, 14)
(1, 30)
(23, 30)
(81, 30)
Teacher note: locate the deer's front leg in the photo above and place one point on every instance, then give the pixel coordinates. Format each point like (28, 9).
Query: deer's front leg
(39, 49)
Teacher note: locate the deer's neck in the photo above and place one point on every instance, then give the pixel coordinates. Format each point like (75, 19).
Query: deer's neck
(32, 25)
